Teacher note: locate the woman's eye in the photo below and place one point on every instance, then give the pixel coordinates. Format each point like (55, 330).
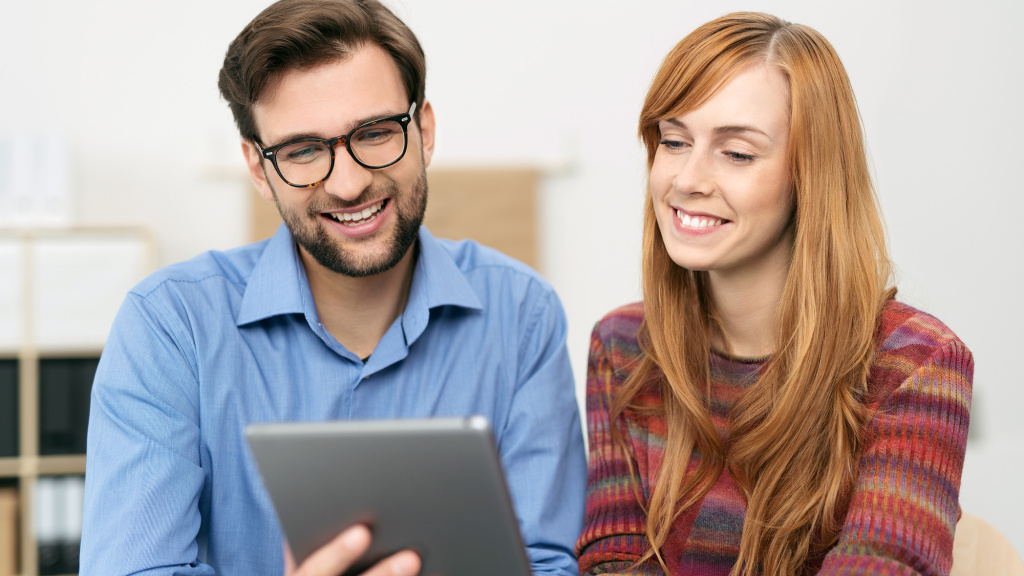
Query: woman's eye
(739, 156)
(673, 144)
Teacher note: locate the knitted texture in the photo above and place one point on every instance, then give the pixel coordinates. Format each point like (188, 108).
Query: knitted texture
(903, 509)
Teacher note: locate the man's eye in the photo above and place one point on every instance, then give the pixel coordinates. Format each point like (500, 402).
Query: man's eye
(303, 153)
(375, 135)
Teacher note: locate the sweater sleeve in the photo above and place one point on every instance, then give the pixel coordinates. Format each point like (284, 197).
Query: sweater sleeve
(904, 508)
(614, 524)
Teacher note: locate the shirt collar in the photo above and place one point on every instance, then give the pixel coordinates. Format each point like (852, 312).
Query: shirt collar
(278, 283)
(437, 279)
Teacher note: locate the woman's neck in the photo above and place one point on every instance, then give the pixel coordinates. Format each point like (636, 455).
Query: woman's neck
(747, 303)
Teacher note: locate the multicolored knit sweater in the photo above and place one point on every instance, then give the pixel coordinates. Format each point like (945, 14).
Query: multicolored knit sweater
(902, 512)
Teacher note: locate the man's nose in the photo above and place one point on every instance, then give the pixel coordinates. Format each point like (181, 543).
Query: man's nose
(348, 180)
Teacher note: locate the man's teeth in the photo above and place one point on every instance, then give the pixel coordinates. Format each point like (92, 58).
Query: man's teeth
(353, 217)
(697, 221)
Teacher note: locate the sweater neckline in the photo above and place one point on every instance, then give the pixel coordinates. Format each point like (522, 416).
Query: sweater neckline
(749, 360)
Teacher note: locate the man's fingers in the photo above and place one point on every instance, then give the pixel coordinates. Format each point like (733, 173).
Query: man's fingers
(404, 563)
(338, 554)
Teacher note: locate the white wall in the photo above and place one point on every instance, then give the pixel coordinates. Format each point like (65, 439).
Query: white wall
(559, 83)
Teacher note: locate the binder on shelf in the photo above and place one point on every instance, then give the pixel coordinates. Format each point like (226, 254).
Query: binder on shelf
(16, 205)
(64, 387)
(8, 531)
(70, 533)
(8, 408)
(6, 178)
(53, 197)
(48, 523)
(59, 502)
(35, 179)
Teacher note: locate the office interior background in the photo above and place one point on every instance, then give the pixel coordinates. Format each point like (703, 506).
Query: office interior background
(127, 90)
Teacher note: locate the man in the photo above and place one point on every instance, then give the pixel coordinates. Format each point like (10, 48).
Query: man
(352, 310)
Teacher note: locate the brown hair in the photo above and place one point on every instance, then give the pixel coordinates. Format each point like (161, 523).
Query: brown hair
(292, 34)
(796, 433)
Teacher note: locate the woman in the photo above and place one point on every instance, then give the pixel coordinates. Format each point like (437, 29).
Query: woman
(768, 408)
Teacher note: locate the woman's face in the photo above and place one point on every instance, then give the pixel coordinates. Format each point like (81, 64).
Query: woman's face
(722, 190)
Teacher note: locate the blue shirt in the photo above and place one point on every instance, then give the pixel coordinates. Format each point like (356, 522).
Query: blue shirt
(203, 348)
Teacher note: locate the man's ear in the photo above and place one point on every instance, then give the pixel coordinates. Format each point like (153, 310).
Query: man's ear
(426, 114)
(254, 162)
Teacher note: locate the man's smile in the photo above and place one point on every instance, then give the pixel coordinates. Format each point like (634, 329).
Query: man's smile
(357, 217)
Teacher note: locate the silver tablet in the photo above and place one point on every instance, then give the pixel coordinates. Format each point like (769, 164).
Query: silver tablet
(434, 486)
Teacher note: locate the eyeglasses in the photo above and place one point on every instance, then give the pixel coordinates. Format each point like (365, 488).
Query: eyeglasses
(307, 162)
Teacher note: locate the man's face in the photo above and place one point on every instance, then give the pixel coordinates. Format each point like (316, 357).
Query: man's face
(359, 222)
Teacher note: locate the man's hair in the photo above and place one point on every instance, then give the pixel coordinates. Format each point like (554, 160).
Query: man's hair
(303, 34)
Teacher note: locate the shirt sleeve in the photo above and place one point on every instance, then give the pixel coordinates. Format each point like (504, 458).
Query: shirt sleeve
(143, 474)
(541, 446)
(904, 507)
(613, 537)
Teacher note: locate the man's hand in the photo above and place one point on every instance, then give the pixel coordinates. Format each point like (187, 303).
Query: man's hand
(337, 555)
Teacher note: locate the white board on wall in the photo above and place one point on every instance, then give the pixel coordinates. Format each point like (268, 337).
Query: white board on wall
(11, 294)
(79, 282)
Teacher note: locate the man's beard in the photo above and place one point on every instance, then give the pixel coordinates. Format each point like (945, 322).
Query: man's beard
(309, 232)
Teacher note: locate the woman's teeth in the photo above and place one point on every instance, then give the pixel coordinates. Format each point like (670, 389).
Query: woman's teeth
(697, 221)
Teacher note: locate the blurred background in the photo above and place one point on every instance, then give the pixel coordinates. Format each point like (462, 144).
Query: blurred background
(123, 94)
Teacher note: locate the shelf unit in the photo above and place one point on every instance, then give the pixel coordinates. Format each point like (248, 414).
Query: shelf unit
(75, 274)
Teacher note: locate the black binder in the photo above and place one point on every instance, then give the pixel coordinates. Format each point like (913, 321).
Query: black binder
(8, 408)
(64, 388)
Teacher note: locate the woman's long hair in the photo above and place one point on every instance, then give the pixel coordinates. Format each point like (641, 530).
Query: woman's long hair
(795, 435)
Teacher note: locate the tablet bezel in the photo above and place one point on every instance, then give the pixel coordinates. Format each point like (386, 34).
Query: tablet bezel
(432, 485)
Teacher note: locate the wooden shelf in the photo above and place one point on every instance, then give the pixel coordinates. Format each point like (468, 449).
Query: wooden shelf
(10, 467)
(61, 465)
(50, 268)
(69, 352)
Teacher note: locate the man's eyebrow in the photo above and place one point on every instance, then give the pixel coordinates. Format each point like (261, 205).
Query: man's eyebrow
(291, 137)
(352, 125)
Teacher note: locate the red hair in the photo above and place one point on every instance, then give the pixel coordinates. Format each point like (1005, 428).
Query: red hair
(795, 434)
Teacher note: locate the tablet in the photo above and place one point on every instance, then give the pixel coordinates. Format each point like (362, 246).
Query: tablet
(434, 486)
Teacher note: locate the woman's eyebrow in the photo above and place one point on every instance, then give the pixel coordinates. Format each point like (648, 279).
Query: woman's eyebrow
(742, 129)
(728, 129)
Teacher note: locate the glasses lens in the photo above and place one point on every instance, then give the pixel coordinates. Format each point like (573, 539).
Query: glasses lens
(304, 163)
(378, 144)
